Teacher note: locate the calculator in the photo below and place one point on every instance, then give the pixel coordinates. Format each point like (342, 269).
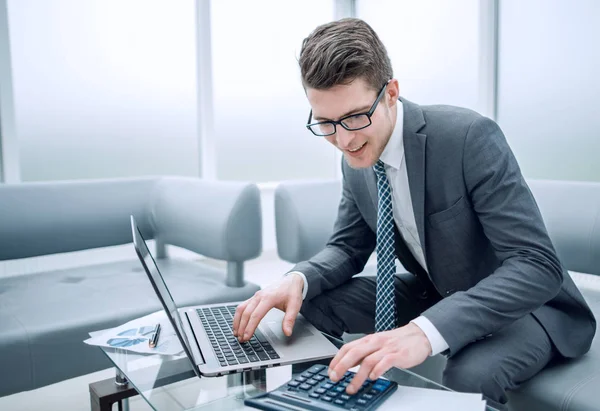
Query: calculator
(313, 390)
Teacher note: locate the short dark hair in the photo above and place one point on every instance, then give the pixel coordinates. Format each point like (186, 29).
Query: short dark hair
(342, 51)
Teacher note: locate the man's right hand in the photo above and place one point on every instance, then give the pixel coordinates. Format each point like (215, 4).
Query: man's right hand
(286, 295)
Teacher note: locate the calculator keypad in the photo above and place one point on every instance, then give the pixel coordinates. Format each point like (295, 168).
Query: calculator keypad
(316, 383)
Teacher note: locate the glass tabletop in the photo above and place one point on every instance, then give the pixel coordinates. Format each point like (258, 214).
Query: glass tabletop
(169, 382)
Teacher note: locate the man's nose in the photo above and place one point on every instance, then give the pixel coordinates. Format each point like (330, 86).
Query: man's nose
(343, 138)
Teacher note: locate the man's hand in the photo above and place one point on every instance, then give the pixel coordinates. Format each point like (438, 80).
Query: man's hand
(404, 347)
(285, 295)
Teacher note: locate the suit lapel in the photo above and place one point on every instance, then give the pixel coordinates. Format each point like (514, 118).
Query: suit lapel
(414, 154)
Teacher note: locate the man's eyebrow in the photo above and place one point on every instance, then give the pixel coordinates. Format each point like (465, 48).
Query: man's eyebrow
(355, 111)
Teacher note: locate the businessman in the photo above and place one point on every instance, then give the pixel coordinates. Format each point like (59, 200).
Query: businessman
(438, 188)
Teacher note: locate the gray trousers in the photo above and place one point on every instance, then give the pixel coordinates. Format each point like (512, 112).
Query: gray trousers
(490, 366)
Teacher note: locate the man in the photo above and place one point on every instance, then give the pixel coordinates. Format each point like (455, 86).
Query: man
(438, 188)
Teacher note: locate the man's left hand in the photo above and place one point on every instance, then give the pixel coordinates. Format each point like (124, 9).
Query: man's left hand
(403, 347)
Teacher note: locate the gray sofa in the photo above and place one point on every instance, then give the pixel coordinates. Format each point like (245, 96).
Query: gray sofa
(45, 316)
(305, 213)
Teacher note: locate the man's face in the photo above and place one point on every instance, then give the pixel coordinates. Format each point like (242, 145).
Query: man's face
(361, 148)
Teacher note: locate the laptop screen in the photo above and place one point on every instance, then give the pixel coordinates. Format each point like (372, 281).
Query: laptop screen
(160, 287)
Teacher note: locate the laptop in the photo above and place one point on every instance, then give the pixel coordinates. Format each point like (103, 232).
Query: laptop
(205, 331)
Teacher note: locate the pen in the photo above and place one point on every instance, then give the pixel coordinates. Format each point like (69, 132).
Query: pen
(154, 340)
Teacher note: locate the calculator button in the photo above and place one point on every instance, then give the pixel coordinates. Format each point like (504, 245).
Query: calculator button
(327, 398)
(327, 385)
(307, 375)
(293, 383)
(314, 395)
(319, 377)
(320, 391)
(339, 389)
(361, 402)
(333, 394)
(316, 369)
(312, 382)
(345, 397)
(301, 379)
(339, 402)
(368, 397)
(305, 387)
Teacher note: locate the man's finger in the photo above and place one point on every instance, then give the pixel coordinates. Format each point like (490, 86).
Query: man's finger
(365, 369)
(238, 316)
(342, 352)
(246, 317)
(352, 358)
(255, 317)
(386, 362)
(291, 312)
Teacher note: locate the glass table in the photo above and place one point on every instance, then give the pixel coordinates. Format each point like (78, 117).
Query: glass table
(168, 383)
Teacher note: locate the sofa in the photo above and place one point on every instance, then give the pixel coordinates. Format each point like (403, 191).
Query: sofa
(304, 216)
(46, 315)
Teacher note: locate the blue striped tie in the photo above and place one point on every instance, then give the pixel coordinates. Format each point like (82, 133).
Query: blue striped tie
(385, 305)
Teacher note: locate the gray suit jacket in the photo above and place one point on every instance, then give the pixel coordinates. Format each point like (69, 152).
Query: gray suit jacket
(487, 249)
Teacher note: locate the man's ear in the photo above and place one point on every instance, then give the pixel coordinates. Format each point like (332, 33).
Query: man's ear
(392, 93)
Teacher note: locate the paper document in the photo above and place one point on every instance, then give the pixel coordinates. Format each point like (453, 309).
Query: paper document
(425, 399)
(134, 336)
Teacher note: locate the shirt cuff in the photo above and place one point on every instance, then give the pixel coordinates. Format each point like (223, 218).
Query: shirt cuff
(305, 289)
(438, 344)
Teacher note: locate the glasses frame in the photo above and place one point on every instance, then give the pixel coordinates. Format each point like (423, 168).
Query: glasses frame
(340, 121)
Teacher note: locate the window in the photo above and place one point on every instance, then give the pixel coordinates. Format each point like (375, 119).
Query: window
(104, 88)
(548, 87)
(259, 104)
(433, 45)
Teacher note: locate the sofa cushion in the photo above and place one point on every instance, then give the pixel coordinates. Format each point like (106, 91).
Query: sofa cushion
(45, 317)
(566, 385)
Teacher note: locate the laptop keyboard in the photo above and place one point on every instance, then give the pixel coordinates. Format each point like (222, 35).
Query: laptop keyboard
(217, 322)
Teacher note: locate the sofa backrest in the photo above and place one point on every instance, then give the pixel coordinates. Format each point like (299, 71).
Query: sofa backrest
(305, 213)
(217, 219)
(53, 217)
(571, 212)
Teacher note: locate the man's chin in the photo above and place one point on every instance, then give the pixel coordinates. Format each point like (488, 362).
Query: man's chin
(359, 162)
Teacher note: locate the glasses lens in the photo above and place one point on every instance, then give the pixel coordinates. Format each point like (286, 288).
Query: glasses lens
(322, 129)
(356, 122)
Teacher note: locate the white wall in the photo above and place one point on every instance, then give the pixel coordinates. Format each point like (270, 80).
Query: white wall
(104, 88)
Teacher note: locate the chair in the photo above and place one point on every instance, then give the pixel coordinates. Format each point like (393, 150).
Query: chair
(304, 216)
(45, 316)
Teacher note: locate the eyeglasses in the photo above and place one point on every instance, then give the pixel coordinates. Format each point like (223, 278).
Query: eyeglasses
(352, 122)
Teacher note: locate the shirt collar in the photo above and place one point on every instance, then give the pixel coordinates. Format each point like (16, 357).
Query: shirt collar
(394, 149)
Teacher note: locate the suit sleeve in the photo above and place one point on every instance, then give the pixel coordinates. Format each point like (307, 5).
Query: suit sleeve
(530, 273)
(346, 252)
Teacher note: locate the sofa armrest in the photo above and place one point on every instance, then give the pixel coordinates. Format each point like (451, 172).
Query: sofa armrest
(219, 220)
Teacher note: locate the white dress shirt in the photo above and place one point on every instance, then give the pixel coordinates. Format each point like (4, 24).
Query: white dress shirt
(404, 217)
